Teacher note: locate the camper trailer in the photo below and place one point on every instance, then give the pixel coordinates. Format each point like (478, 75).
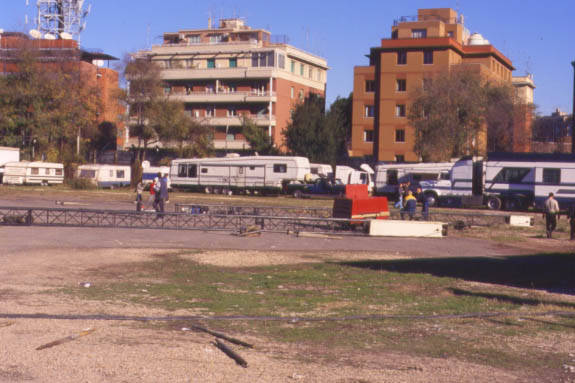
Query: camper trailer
(351, 176)
(508, 180)
(320, 171)
(8, 154)
(105, 176)
(388, 177)
(33, 173)
(264, 174)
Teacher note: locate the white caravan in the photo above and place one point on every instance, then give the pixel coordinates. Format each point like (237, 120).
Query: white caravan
(33, 173)
(320, 171)
(509, 180)
(388, 177)
(8, 154)
(351, 176)
(105, 176)
(265, 174)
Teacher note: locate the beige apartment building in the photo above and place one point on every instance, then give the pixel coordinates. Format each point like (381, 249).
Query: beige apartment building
(230, 73)
(433, 41)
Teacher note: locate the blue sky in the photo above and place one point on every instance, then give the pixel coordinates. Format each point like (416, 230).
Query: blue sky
(536, 35)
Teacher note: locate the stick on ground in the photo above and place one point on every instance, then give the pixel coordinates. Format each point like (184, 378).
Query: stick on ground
(229, 352)
(66, 339)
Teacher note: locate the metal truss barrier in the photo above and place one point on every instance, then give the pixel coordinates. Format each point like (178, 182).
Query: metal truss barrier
(269, 211)
(32, 216)
(451, 217)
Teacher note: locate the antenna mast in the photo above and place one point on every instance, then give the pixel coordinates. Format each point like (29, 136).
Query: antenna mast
(61, 18)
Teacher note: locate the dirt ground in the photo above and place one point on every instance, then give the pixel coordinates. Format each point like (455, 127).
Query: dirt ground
(36, 262)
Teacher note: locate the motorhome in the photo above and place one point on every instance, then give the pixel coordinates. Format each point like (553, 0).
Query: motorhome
(508, 180)
(388, 177)
(33, 173)
(8, 154)
(105, 176)
(264, 174)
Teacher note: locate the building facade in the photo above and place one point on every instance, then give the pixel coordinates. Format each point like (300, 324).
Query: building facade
(233, 73)
(435, 40)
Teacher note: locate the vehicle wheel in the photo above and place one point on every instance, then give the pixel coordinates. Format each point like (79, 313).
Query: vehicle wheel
(494, 203)
(228, 192)
(208, 190)
(515, 203)
(431, 199)
(44, 183)
(297, 194)
(217, 191)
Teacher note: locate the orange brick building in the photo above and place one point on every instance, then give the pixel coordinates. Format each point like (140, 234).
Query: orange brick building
(434, 41)
(227, 73)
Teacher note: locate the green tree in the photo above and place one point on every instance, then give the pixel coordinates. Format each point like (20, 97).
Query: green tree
(258, 137)
(306, 134)
(339, 119)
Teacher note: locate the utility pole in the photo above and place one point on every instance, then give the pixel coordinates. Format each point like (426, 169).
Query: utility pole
(573, 113)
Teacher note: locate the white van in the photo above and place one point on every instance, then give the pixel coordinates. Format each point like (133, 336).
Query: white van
(105, 176)
(33, 173)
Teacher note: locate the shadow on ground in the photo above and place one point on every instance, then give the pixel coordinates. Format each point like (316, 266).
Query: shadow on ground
(551, 272)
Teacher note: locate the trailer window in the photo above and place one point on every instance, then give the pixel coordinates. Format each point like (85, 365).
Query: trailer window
(193, 171)
(111, 174)
(58, 172)
(204, 170)
(47, 171)
(392, 177)
(280, 168)
(34, 171)
(84, 173)
(182, 170)
(552, 176)
(511, 175)
(119, 174)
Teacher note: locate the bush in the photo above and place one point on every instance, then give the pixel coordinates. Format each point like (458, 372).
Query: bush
(82, 184)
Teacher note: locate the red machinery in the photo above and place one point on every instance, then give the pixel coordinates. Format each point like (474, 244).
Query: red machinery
(358, 204)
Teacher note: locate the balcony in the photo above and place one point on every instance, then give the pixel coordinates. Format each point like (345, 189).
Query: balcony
(258, 119)
(225, 96)
(217, 73)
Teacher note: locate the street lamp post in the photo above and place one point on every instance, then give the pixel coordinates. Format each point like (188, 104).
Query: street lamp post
(573, 113)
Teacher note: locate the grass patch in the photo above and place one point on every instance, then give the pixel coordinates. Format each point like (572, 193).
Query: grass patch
(360, 288)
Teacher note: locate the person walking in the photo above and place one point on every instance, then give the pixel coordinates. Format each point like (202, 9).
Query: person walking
(551, 214)
(571, 215)
(139, 191)
(152, 197)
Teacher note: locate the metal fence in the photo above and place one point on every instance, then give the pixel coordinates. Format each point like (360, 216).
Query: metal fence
(173, 221)
(269, 211)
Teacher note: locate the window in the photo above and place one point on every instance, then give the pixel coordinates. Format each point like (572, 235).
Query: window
(47, 171)
(263, 59)
(291, 92)
(369, 111)
(428, 56)
(301, 69)
(418, 33)
(192, 171)
(400, 135)
(292, 66)
(209, 111)
(400, 85)
(369, 86)
(400, 110)
(182, 170)
(119, 174)
(310, 73)
(215, 39)
(392, 176)
(368, 136)
(399, 158)
(401, 58)
(85, 173)
(194, 39)
(450, 34)
(552, 176)
(280, 168)
(204, 170)
(59, 172)
(301, 94)
(511, 175)
(394, 34)
(231, 112)
(111, 173)
(281, 61)
(233, 62)
(211, 63)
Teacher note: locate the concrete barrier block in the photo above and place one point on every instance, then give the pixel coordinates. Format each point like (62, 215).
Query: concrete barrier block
(393, 228)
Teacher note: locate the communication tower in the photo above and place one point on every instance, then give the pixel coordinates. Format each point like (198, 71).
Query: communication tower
(61, 18)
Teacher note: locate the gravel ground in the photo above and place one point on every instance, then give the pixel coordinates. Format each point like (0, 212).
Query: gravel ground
(130, 352)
